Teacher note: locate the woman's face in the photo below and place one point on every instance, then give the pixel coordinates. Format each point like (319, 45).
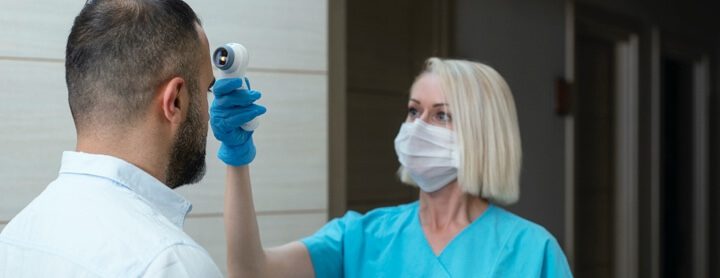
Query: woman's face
(427, 102)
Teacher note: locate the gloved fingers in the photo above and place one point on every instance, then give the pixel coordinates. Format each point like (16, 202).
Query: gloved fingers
(226, 85)
(227, 109)
(236, 137)
(233, 107)
(225, 124)
(243, 115)
(247, 82)
(220, 132)
(237, 98)
(233, 136)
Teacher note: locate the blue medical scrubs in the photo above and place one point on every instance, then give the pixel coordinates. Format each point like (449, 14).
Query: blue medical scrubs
(389, 242)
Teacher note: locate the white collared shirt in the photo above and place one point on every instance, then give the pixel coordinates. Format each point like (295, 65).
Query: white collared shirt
(103, 217)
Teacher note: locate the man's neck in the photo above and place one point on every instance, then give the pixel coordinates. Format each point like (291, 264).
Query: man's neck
(138, 150)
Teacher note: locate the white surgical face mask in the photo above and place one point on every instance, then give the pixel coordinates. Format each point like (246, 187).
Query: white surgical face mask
(428, 154)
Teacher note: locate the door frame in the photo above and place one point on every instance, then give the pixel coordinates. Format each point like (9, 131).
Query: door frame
(695, 53)
(626, 153)
(337, 108)
(629, 37)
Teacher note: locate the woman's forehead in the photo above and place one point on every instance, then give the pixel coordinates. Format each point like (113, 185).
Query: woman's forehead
(427, 88)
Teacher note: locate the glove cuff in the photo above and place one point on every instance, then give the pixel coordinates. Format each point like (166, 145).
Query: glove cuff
(236, 156)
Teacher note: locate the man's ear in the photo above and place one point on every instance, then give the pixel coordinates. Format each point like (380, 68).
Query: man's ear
(171, 99)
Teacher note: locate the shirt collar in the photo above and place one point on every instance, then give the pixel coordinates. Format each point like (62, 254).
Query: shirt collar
(169, 203)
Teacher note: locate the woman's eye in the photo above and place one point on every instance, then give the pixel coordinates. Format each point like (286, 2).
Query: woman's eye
(443, 117)
(412, 112)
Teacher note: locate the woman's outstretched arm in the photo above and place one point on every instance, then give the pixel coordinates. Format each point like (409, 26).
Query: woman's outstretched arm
(246, 256)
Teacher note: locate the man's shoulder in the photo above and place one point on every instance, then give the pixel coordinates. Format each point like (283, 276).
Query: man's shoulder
(101, 228)
(182, 260)
(85, 211)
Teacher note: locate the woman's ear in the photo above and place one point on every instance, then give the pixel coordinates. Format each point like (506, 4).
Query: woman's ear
(171, 100)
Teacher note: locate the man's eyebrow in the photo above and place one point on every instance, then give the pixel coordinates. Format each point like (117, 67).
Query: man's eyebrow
(211, 84)
(415, 100)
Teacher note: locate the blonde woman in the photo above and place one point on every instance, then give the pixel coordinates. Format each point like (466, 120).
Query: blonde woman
(460, 144)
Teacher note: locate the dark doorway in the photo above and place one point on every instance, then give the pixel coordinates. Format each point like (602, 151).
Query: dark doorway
(676, 168)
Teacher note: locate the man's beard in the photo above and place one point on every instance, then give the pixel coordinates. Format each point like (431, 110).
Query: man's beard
(187, 155)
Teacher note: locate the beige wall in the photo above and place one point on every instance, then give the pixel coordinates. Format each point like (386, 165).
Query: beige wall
(287, 40)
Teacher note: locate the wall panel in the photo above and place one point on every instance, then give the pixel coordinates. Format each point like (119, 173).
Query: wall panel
(275, 230)
(276, 38)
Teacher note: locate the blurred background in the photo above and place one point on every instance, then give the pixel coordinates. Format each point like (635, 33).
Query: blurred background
(618, 105)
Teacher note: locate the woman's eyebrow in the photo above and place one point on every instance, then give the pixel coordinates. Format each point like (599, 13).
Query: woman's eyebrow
(434, 105)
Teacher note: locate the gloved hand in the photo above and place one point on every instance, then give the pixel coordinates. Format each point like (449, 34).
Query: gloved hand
(232, 108)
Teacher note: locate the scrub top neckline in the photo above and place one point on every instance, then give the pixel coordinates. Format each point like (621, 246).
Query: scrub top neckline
(455, 238)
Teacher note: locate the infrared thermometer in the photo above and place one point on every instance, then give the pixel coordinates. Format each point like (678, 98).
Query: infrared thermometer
(232, 60)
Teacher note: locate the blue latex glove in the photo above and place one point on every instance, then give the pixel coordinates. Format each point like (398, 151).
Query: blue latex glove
(232, 108)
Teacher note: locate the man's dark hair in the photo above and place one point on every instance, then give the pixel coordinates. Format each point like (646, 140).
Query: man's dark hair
(119, 51)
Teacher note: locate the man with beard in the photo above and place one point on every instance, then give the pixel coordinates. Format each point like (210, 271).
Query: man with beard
(138, 75)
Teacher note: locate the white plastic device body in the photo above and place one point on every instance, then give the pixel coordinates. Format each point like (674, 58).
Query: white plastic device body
(232, 60)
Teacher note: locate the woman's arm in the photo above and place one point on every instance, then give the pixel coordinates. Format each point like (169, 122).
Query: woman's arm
(246, 256)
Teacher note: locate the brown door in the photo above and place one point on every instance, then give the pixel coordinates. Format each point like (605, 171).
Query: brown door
(387, 43)
(594, 112)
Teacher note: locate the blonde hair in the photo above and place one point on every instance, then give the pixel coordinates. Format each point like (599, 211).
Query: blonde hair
(485, 121)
